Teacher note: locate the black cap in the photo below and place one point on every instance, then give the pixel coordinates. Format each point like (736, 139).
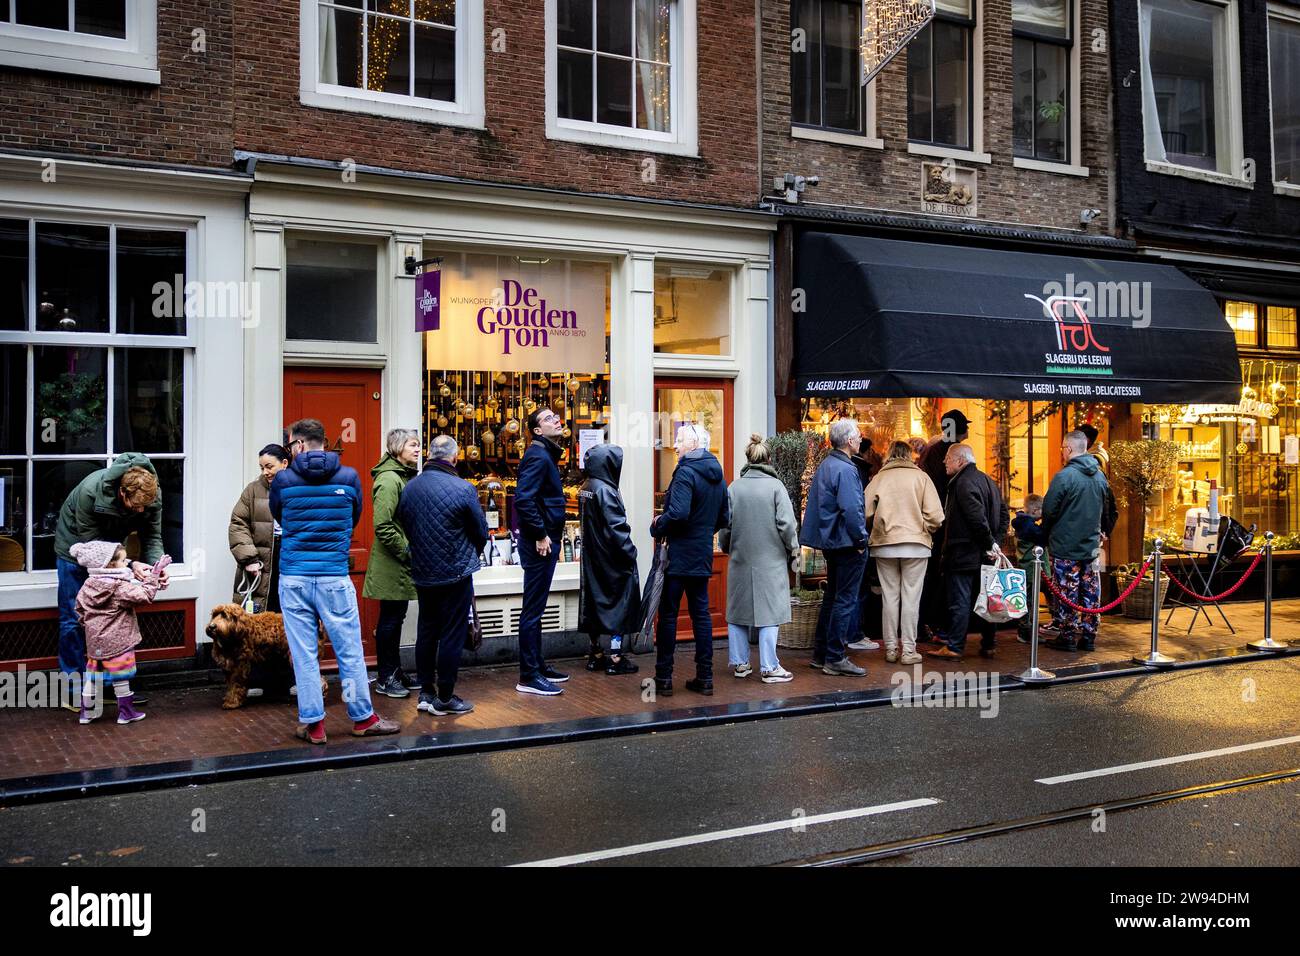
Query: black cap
(960, 422)
(1090, 433)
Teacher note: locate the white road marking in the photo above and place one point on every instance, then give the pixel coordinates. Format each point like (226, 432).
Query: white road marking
(1165, 761)
(790, 824)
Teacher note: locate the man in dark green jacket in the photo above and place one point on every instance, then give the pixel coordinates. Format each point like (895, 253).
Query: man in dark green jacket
(108, 505)
(1078, 512)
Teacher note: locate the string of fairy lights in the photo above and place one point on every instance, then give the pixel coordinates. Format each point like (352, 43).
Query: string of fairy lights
(385, 34)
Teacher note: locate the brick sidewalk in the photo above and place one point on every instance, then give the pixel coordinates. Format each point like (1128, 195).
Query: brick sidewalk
(189, 723)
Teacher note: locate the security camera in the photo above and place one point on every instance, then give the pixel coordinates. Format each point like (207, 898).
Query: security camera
(1086, 216)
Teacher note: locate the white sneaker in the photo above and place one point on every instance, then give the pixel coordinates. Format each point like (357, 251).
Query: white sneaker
(741, 670)
(911, 659)
(778, 676)
(891, 656)
(866, 644)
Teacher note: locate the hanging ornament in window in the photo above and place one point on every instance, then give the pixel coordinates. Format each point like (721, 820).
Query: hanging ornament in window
(512, 427)
(467, 410)
(500, 378)
(444, 390)
(567, 433)
(530, 406)
(521, 446)
(442, 421)
(573, 385)
(472, 453)
(543, 382)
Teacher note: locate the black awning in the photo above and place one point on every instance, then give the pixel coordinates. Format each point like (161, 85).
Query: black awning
(892, 318)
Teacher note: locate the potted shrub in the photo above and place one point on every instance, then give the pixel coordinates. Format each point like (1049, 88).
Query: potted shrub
(795, 456)
(1139, 471)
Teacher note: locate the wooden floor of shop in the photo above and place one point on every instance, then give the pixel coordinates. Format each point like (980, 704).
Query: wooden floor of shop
(189, 723)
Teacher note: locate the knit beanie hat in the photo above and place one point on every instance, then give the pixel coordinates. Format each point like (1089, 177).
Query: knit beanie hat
(94, 554)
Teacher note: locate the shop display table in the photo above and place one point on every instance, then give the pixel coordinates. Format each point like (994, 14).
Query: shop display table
(1185, 567)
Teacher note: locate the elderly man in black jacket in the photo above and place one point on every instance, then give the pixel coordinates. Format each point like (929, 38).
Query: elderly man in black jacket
(445, 530)
(539, 503)
(975, 517)
(695, 507)
(609, 601)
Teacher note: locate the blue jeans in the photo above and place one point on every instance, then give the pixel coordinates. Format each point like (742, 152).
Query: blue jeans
(738, 646)
(334, 601)
(72, 638)
(538, 572)
(697, 600)
(838, 617)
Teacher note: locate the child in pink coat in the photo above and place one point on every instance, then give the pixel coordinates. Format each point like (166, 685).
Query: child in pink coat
(106, 607)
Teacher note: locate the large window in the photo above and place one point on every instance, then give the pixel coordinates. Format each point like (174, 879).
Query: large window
(88, 375)
(1041, 64)
(109, 38)
(692, 309)
(826, 65)
(331, 290)
(1284, 68)
(414, 59)
(1188, 82)
(940, 78)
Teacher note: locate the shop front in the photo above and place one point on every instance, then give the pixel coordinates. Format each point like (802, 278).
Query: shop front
(460, 309)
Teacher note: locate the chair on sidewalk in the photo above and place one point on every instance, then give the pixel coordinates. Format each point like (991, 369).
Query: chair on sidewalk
(1234, 539)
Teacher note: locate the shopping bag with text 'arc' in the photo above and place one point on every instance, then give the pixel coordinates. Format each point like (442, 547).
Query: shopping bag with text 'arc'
(1002, 594)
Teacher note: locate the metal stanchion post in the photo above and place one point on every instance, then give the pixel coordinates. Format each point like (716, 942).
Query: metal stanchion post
(1268, 644)
(1034, 673)
(1155, 658)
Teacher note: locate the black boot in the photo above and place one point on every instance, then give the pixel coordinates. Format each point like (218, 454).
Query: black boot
(663, 686)
(700, 685)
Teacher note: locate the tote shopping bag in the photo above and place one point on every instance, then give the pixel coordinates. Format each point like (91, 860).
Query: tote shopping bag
(1002, 591)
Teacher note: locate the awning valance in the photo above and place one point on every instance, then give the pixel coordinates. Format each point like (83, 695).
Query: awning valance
(892, 318)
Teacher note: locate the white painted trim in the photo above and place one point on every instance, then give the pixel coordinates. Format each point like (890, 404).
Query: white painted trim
(467, 111)
(1191, 172)
(1292, 15)
(947, 152)
(1243, 261)
(683, 140)
(1062, 169)
(133, 59)
(1287, 189)
(831, 136)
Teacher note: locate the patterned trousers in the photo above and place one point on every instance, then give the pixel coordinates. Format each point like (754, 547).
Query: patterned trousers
(1078, 582)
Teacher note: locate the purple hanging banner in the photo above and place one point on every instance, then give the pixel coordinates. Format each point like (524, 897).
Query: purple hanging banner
(428, 287)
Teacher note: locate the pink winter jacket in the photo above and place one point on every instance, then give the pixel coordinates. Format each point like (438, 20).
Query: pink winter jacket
(106, 608)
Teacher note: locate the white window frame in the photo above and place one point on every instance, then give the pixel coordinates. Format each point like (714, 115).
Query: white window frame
(134, 59)
(976, 152)
(735, 295)
(110, 341)
(682, 140)
(467, 110)
(1291, 15)
(1230, 123)
(869, 138)
(1073, 166)
(387, 266)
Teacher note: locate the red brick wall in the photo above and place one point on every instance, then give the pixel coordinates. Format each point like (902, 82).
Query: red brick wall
(188, 120)
(513, 148)
(890, 179)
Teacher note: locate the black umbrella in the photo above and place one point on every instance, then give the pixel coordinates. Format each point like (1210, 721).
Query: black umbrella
(644, 639)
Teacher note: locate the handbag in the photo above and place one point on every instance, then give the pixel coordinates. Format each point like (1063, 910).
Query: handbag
(246, 594)
(1002, 595)
(644, 639)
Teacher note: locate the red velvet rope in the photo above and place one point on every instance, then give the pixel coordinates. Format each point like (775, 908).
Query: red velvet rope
(1098, 610)
(1228, 593)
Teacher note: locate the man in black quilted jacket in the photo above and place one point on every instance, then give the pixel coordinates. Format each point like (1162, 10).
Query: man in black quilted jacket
(446, 531)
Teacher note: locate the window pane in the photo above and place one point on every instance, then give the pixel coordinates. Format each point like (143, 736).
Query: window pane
(1182, 36)
(692, 309)
(331, 291)
(920, 86)
(43, 13)
(71, 278)
(171, 487)
(1048, 17)
(435, 63)
(1281, 327)
(573, 93)
(960, 7)
(653, 23)
(13, 274)
(1284, 58)
(71, 408)
(146, 258)
(573, 23)
(1051, 111)
(806, 64)
(614, 26)
(653, 99)
(1022, 118)
(951, 85)
(148, 396)
(13, 393)
(842, 94)
(388, 46)
(436, 11)
(13, 511)
(613, 91)
(1243, 318)
(340, 46)
(105, 18)
(52, 482)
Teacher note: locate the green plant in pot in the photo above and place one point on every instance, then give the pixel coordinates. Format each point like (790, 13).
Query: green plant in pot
(794, 456)
(1139, 471)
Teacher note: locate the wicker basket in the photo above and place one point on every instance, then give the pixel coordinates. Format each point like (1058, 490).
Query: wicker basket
(1138, 604)
(801, 632)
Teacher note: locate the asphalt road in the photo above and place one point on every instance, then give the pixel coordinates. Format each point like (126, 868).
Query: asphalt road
(803, 786)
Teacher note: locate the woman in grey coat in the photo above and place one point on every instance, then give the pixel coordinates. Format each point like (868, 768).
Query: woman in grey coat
(763, 542)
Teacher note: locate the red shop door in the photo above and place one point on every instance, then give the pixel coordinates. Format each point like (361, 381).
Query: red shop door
(346, 401)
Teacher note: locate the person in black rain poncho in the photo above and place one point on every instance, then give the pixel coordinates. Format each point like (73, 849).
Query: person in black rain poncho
(610, 599)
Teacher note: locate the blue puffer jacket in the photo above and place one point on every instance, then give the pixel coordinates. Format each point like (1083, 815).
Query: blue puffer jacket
(835, 515)
(695, 506)
(539, 495)
(317, 502)
(444, 526)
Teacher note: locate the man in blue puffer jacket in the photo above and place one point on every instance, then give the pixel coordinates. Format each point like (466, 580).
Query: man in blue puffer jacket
(317, 502)
(446, 529)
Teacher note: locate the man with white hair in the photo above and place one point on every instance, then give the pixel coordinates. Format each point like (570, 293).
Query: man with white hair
(695, 507)
(835, 522)
(976, 518)
(1078, 510)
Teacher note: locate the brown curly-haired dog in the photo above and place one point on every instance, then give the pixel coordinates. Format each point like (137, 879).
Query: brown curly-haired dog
(241, 640)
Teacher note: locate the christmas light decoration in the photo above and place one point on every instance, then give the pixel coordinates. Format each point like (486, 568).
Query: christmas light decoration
(887, 26)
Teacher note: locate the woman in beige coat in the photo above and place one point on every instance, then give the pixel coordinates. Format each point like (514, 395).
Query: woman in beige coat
(253, 533)
(903, 510)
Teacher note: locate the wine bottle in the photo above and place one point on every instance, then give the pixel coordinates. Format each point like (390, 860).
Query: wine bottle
(493, 515)
(568, 548)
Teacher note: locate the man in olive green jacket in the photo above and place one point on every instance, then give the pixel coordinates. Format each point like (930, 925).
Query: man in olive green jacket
(108, 505)
(388, 574)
